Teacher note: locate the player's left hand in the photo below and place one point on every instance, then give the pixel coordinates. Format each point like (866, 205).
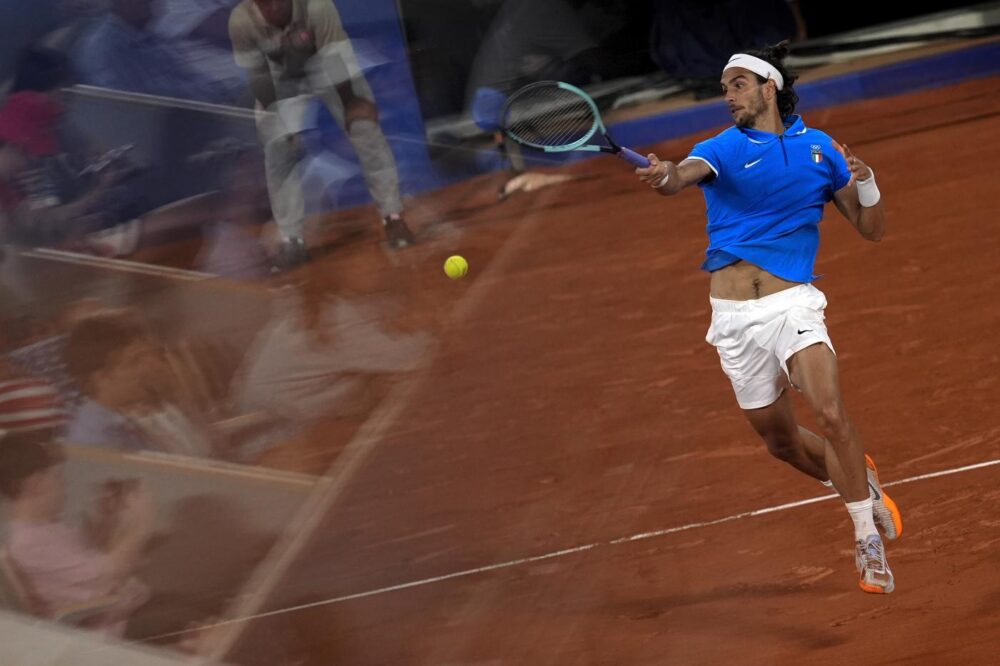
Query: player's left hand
(859, 170)
(359, 108)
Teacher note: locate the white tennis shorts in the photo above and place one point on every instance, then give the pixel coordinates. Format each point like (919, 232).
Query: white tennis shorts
(756, 338)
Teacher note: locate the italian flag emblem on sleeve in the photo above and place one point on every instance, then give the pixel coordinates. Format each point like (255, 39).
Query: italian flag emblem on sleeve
(817, 154)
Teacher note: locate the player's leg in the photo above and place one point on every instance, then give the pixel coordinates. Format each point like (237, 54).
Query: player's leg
(786, 440)
(814, 371)
(759, 379)
(379, 168)
(887, 515)
(359, 120)
(377, 164)
(282, 154)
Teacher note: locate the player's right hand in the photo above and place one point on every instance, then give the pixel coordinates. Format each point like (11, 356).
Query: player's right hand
(657, 170)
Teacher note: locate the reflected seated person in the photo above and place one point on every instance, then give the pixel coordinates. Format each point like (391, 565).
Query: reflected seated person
(58, 565)
(134, 398)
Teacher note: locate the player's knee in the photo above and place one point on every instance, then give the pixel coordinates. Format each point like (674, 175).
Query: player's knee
(832, 418)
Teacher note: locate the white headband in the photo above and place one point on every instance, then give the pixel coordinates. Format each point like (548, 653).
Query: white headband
(757, 66)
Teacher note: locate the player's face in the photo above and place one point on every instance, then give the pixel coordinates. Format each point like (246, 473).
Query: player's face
(744, 95)
(276, 12)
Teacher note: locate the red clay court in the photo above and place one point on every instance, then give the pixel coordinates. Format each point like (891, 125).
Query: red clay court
(569, 481)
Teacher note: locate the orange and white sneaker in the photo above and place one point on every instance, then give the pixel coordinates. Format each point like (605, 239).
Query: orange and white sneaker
(876, 578)
(887, 516)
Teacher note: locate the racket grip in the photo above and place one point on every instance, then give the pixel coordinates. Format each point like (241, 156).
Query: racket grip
(633, 158)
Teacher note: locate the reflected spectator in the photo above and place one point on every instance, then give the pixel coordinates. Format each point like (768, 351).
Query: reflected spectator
(295, 51)
(231, 219)
(134, 398)
(528, 41)
(13, 161)
(119, 51)
(47, 71)
(199, 31)
(487, 105)
(42, 70)
(26, 23)
(443, 37)
(59, 564)
(29, 406)
(32, 347)
(233, 246)
(691, 40)
(320, 353)
(32, 210)
(532, 41)
(76, 168)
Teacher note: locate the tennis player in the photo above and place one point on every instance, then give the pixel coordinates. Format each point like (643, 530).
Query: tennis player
(766, 180)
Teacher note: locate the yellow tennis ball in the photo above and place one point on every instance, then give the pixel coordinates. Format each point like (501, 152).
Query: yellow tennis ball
(456, 266)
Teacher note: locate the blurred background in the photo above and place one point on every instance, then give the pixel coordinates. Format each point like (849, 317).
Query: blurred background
(223, 223)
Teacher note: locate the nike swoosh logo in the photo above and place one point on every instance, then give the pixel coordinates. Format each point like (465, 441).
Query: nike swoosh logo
(750, 164)
(875, 493)
(805, 330)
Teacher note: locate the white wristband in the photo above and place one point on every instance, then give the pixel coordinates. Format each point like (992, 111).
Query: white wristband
(868, 194)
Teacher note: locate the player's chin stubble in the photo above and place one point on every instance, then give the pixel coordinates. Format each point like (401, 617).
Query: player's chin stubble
(752, 114)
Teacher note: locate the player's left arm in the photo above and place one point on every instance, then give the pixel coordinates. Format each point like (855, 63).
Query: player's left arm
(860, 201)
(247, 54)
(341, 71)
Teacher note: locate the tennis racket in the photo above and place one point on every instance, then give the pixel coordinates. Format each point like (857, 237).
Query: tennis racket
(557, 117)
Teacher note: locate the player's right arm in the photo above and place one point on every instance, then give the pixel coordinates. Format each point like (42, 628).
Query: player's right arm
(262, 87)
(247, 54)
(668, 178)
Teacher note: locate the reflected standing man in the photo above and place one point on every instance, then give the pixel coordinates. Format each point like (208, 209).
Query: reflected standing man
(295, 50)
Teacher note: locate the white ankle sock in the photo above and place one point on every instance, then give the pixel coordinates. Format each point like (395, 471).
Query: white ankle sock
(828, 483)
(864, 521)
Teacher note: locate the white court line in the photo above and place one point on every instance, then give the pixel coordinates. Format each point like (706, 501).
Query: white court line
(571, 551)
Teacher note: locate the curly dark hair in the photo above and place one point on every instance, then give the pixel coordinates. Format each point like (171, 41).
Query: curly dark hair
(787, 97)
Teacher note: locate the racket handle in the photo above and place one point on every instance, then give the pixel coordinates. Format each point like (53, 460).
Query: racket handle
(633, 158)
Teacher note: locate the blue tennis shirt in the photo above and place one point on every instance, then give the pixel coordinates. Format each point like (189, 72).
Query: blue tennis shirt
(766, 198)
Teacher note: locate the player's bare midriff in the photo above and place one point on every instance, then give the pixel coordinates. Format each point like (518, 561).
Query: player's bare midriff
(743, 281)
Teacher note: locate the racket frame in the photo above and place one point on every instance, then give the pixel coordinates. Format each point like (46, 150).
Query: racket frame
(580, 144)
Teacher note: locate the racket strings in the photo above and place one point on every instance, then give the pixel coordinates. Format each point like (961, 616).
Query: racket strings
(549, 116)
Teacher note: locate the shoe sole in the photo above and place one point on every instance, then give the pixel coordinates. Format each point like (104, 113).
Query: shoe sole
(875, 589)
(888, 513)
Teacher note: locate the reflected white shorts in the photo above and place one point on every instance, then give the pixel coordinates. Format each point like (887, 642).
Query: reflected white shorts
(756, 338)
